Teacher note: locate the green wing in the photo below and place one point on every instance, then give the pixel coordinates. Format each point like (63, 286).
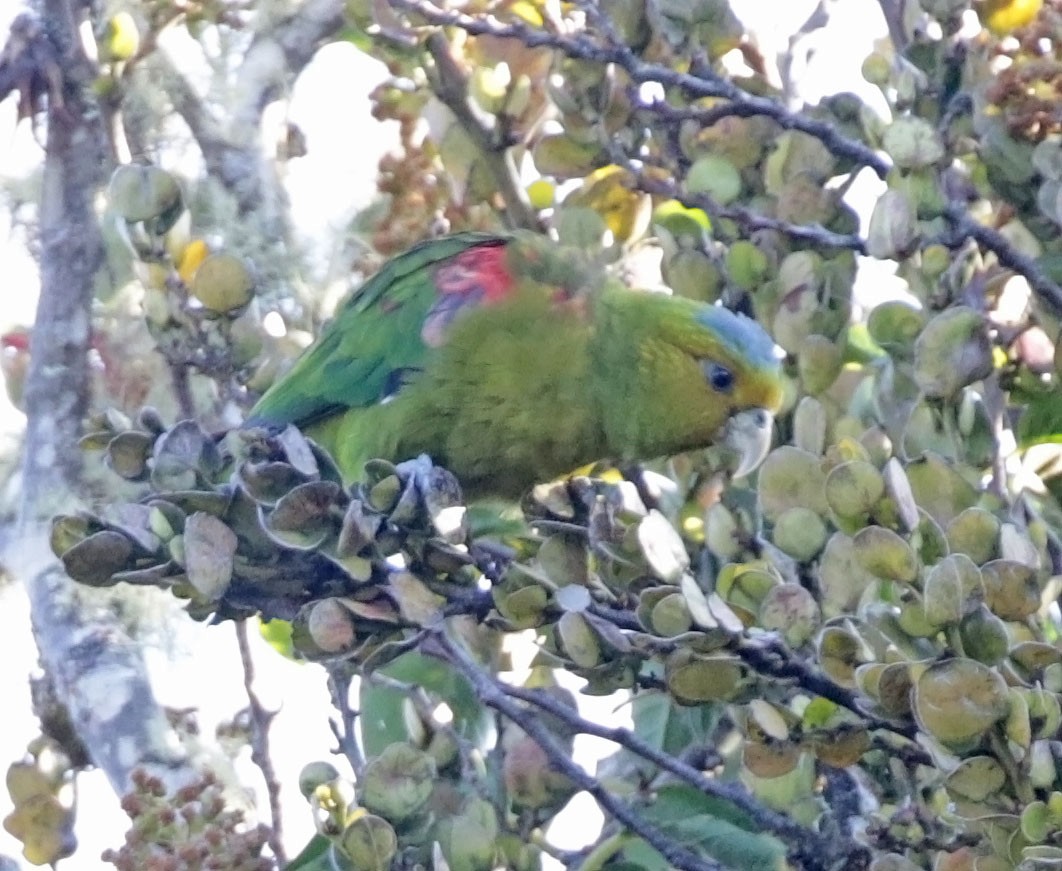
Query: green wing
(379, 338)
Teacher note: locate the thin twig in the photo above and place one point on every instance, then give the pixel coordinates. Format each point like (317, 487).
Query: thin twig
(260, 722)
(750, 221)
(768, 657)
(909, 753)
(182, 389)
(794, 834)
(1019, 781)
(339, 680)
(451, 87)
(583, 47)
(1007, 255)
(491, 693)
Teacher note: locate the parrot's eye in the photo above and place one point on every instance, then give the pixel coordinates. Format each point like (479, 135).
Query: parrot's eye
(719, 377)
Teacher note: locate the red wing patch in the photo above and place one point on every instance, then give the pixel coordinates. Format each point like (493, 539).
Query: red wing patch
(478, 276)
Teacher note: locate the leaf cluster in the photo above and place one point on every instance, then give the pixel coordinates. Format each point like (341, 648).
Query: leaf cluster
(867, 623)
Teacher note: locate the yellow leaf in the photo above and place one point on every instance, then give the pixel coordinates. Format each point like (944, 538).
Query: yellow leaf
(122, 38)
(1003, 17)
(528, 12)
(195, 252)
(607, 191)
(43, 826)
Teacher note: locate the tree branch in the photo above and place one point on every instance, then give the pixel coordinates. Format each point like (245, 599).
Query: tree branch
(704, 84)
(750, 221)
(97, 670)
(261, 719)
(451, 87)
(769, 657)
(893, 10)
(807, 842)
(275, 57)
(345, 731)
(492, 695)
(992, 240)
(277, 54)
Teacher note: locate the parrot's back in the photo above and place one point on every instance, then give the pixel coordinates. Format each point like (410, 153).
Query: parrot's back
(386, 330)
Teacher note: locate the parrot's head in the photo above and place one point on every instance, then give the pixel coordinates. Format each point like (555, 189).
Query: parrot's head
(704, 376)
(744, 372)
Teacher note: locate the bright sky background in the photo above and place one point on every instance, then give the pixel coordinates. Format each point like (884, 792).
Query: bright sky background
(201, 668)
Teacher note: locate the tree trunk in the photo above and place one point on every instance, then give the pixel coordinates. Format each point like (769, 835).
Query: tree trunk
(96, 669)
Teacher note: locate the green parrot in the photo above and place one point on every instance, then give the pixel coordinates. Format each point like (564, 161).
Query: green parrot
(512, 362)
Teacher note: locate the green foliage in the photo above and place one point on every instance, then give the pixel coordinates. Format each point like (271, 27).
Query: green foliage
(712, 826)
(390, 707)
(870, 617)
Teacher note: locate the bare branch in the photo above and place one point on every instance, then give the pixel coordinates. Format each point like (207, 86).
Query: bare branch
(451, 86)
(491, 694)
(260, 754)
(893, 11)
(704, 84)
(276, 56)
(967, 228)
(339, 680)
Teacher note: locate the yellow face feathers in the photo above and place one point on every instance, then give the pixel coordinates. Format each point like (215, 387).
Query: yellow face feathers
(738, 360)
(684, 375)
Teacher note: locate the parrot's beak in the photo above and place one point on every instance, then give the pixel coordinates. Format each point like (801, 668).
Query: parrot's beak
(748, 435)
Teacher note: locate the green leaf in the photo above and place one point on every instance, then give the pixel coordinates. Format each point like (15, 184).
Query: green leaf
(671, 728)
(359, 38)
(277, 634)
(382, 722)
(1041, 421)
(313, 857)
(860, 347)
(639, 856)
(713, 827)
(680, 220)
